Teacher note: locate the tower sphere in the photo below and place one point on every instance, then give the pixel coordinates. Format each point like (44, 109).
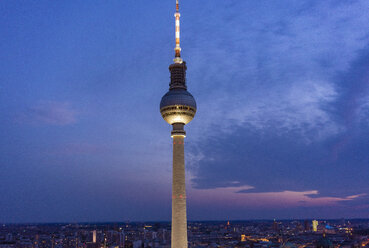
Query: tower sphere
(178, 106)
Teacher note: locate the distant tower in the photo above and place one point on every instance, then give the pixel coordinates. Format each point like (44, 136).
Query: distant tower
(275, 226)
(315, 225)
(122, 239)
(178, 107)
(94, 236)
(307, 225)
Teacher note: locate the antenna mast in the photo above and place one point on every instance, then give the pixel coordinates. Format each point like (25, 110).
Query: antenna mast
(177, 49)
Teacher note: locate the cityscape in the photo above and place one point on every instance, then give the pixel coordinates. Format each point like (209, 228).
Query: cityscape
(227, 234)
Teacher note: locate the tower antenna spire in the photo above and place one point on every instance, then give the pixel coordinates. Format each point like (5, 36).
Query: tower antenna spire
(177, 49)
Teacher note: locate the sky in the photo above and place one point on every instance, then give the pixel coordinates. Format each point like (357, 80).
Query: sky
(281, 130)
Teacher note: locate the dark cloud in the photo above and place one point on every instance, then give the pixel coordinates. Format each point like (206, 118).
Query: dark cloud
(275, 161)
(273, 158)
(354, 87)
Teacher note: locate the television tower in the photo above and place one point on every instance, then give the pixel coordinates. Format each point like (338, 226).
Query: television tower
(178, 107)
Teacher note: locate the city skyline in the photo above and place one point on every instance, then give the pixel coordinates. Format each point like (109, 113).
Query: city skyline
(281, 129)
(328, 234)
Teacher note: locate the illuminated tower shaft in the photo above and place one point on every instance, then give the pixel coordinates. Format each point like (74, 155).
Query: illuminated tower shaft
(179, 216)
(94, 236)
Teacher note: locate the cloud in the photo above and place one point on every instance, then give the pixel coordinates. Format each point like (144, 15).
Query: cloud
(301, 108)
(354, 88)
(238, 196)
(364, 110)
(277, 97)
(273, 162)
(275, 64)
(351, 107)
(50, 113)
(72, 149)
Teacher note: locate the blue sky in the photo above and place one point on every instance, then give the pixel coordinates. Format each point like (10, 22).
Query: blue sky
(281, 131)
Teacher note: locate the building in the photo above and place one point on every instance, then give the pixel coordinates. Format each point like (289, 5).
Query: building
(315, 225)
(306, 225)
(243, 238)
(178, 107)
(94, 236)
(275, 226)
(122, 239)
(324, 242)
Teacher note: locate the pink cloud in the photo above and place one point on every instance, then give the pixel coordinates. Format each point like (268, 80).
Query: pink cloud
(229, 196)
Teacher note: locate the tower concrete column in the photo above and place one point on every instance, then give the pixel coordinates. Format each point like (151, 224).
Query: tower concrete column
(179, 215)
(178, 108)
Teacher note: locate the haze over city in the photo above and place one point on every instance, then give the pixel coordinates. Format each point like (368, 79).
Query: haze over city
(281, 129)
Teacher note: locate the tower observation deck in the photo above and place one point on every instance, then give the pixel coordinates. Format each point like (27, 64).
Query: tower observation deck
(178, 107)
